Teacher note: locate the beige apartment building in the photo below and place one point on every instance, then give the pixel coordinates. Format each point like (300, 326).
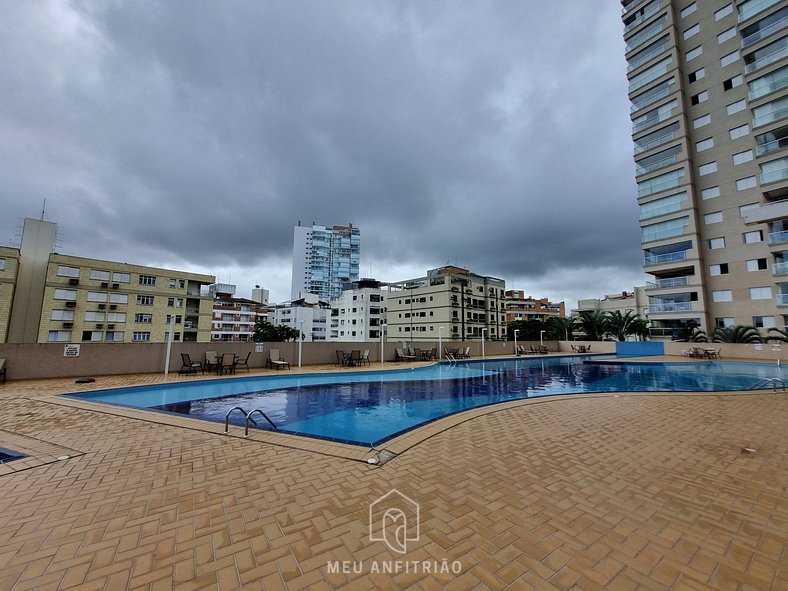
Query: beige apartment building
(449, 302)
(9, 267)
(708, 86)
(61, 298)
(522, 307)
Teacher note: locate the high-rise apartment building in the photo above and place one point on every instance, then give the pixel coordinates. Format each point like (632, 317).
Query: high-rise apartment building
(324, 260)
(708, 86)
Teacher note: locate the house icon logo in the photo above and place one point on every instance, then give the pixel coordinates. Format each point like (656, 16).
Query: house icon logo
(394, 520)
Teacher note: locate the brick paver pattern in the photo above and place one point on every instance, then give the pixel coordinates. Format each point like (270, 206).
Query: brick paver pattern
(622, 492)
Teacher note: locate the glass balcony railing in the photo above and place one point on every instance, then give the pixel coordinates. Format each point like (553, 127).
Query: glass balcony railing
(650, 10)
(644, 169)
(652, 213)
(652, 188)
(662, 234)
(772, 146)
(667, 283)
(769, 117)
(660, 259)
(653, 143)
(778, 237)
(753, 7)
(672, 307)
(771, 86)
(774, 176)
(645, 56)
(779, 268)
(782, 299)
(649, 76)
(766, 60)
(764, 32)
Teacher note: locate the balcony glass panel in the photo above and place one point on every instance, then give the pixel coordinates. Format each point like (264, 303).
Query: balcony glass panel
(666, 229)
(764, 28)
(647, 54)
(766, 55)
(659, 183)
(649, 75)
(659, 259)
(769, 83)
(769, 112)
(641, 16)
(673, 307)
(656, 138)
(657, 161)
(774, 176)
(647, 33)
(668, 283)
(662, 206)
(651, 96)
(782, 299)
(778, 237)
(753, 7)
(780, 268)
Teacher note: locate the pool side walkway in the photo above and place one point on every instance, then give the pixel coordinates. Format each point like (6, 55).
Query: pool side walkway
(616, 491)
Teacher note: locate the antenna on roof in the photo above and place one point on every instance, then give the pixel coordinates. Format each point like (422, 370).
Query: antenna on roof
(43, 209)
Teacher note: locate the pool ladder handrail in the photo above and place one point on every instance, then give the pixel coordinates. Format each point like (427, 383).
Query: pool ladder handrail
(248, 419)
(774, 382)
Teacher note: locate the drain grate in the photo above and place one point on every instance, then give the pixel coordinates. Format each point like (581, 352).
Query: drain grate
(9, 455)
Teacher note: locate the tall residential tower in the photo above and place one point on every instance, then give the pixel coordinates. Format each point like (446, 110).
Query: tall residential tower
(324, 259)
(708, 85)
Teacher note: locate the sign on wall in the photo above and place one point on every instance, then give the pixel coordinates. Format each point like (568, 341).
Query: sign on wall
(71, 351)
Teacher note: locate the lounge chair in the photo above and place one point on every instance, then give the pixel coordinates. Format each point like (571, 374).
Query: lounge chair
(211, 361)
(402, 356)
(2, 369)
(190, 366)
(464, 353)
(227, 363)
(365, 357)
(520, 350)
(243, 362)
(275, 360)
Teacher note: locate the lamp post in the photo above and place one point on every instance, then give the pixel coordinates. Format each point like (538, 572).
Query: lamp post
(440, 343)
(541, 342)
(382, 340)
(516, 352)
(484, 330)
(300, 340)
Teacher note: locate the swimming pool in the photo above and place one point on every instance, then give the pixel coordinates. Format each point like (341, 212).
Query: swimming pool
(369, 408)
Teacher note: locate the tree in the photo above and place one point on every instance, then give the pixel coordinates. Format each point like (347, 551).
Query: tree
(593, 324)
(528, 330)
(264, 331)
(621, 325)
(780, 335)
(736, 334)
(559, 329)
(692, 333)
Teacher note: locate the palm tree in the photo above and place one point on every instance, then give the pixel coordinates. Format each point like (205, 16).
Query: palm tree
(559, 328)
(621, 325)
(737, 334)
(780, 335)
(593, 324)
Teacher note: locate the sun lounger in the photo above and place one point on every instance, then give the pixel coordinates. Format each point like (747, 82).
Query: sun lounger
(275, 360)
(402, 356)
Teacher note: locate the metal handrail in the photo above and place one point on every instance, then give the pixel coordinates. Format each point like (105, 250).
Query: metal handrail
(249, 418)
(768, 381)
(227, 417)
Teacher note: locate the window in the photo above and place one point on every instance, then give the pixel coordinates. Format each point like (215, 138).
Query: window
(66, 294)
(732, 83)
(170, 302)
(736, 107)
(119, 298)
(760, 293)
(59, 336)
(743, 209)
(116, 317)
(701, 97)
(752, 237)
(693, 53)
(722, 295)
(692, 31)
(143, 318)
(147, 280)
(742, 157)
(723, 12)
(97, 296)
(723, 321)
(687, 10)
(740, 131)
(2, 264)
(701, 121)
(663, 182)
(754, 265)
(710, 193)
(769, 112)
(746, 183)
(664, 229)
(99, 275)
(662, 206)
(769, 83)
(721, 269)
(698, 74)
(763, 321)
(121, 278)
(725, 35)
(93, 335)
(730, 58)
(708, 168)
(64, 271)
(144, 300)
(62, 315)
(114, 336)
(91, 316)
(140, 337)
(712, 218)
(714, 243)
(172, 283)
(704, 144)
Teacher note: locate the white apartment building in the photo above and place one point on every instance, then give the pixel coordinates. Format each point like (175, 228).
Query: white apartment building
(309, 314)
(359, 313)
(324, 259)
(708, 86)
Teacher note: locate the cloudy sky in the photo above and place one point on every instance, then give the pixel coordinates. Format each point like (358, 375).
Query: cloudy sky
(194, 135)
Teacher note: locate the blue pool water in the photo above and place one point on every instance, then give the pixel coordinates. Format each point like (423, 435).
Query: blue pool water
(368, 408)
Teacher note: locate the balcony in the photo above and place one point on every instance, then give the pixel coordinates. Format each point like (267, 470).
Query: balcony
(672, 307)
(650, 10)
(774, 176)
(645, 56)
(766, 60)
(780, 268)
(773, 146)
(667, 283)
(778, 237)
(661, 259)
(782, 299)
(748, 9)
(769, 117)
(764, 32)
(653, 143)
(771, 86)
(645, 169)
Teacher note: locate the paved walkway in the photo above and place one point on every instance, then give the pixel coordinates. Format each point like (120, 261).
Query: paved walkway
(611, 492)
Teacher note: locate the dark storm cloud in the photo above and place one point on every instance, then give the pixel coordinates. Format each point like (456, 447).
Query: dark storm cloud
(490, 134)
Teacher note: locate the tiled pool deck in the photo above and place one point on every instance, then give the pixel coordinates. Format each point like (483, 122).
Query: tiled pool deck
(628, 491)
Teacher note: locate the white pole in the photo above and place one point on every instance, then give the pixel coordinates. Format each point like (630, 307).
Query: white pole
(381, 344)
(515, 342)
(483, 331)
(440, 343)
(169, 345)
(541, 342)
(300, 340)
